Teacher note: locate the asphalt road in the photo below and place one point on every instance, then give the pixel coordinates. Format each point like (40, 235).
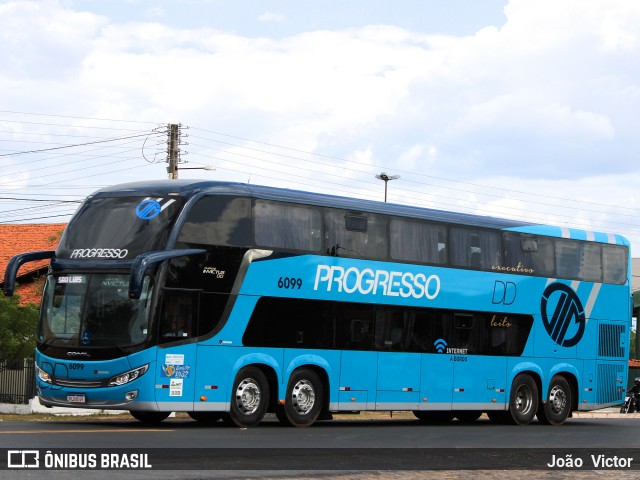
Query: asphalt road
(392, 448)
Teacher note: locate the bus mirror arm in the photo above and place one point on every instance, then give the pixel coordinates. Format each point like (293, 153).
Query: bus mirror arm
(16, 262)
(145, 261)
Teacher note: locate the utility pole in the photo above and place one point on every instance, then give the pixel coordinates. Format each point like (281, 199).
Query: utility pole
(173, 149)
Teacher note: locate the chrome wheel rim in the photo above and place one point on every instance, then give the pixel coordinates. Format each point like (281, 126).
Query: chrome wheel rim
(524, 399)
(557, 399)
(248, 396)
(303, 397)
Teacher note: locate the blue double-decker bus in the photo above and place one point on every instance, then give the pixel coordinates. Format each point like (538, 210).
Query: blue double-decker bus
(231, 301)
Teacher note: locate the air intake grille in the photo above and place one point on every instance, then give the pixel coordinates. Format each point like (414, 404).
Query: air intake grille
(610, 342)
(609, 383)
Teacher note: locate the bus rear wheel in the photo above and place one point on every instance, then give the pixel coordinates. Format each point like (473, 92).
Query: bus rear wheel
(249, 399)
(149, 418)
(558, 405)
(304, 399)
(523, 399)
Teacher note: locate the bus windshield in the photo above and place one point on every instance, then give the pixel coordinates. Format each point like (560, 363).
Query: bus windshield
(119, 228)
(85, 310)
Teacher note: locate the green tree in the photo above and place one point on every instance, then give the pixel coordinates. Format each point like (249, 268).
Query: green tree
(18, 325)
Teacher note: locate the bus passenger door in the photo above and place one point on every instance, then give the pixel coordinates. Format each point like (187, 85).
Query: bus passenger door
(176, 358)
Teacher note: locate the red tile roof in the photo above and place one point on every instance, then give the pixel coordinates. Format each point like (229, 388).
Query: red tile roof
(633, 363)
(21, 238)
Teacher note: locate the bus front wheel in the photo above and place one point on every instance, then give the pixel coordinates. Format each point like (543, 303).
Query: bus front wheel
(523, 400)
(249, 399)
(149, 418)
(303, 401)
(558, 405)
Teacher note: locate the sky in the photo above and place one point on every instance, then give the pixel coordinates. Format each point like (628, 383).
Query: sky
(510, 108)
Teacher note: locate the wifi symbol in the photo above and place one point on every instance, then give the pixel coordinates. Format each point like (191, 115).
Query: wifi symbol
(440, 345)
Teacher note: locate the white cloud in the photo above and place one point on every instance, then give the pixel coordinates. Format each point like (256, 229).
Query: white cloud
(272, 17)
(547, 102)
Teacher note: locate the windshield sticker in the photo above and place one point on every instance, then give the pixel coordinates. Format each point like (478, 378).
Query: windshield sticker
(149, 208)
(86, 338)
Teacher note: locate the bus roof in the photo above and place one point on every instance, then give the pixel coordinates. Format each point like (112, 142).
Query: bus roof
(190, 188)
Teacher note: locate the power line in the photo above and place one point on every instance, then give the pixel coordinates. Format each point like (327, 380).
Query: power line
(74, 145)
(78, 118)
(375, 166)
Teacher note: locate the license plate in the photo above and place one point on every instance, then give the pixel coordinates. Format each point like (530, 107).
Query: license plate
(76, 398)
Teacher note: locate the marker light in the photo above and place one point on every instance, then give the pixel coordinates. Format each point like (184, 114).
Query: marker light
(129, 376)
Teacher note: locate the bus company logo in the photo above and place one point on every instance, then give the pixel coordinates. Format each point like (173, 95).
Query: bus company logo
(23, 459)
(560, 308)
(440, 345)
(149, 208)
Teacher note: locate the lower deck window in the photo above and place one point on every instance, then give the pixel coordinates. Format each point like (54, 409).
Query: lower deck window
(319, 324)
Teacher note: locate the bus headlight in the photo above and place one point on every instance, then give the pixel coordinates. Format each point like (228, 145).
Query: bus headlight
(129, 376)
(42, 375)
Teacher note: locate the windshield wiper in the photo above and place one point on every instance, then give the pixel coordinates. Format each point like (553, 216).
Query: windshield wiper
(46, 343)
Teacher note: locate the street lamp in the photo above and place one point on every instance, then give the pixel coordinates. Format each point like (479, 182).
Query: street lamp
(385, 178)
(174, 175)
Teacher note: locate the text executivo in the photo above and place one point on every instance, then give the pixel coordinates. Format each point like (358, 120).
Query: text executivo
(377, 282)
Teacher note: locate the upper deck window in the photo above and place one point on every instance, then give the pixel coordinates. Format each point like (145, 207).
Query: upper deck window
(116, 228)
(529, 254)
(580, 260)
(355, 235)
(477, 249)
(294, 227)
(418, 242)
(218, 220)
(614, 263)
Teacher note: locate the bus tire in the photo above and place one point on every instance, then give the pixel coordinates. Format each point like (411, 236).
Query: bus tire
(206, 418)
(433, 417)
(149, 418)
(558, 405)
(523, 399)
(304, 398)
(249, 398)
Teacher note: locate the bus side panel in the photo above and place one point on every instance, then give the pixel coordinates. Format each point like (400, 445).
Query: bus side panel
(327, 361)
(358, 378)
(479, 382)
(436, 382)
(175, 378)
(218, 367)
(398, 384)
